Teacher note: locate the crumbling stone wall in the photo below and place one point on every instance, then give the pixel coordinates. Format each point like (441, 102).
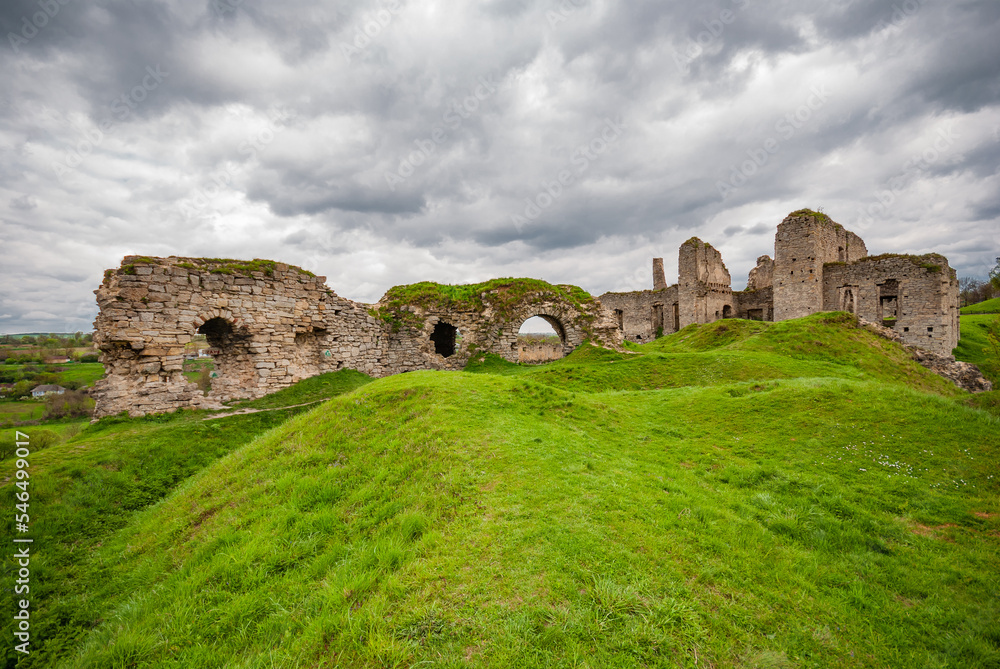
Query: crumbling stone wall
(269, 322)
(274, 324)
(915, 296)
(659, 278)
(761, 276)
(804, 243)
(640, 314)
(818, 266)
(538, 351)
(704, 285)
(755, 305)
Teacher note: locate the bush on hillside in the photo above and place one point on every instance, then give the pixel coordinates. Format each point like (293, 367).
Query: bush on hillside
(71, 404)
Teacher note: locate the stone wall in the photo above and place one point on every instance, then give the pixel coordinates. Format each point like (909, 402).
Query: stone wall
(538, 352)
(639, 314)
(761, 276)
(269, 322)
(659, 278)
(916, 296)
(818, 266)
(755, 305)
(704, 285)
(804, 242)
(273, 324)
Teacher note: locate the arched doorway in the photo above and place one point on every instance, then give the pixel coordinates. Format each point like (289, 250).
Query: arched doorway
(540, 339)
(233, 370)
(727, 311)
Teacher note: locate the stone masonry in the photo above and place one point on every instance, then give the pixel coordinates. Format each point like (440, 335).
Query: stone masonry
(273, 324)
(818, 266)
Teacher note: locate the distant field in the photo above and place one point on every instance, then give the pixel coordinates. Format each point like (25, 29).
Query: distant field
(989, 307)
(21, 410)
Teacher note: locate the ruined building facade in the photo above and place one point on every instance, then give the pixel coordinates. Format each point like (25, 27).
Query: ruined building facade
(817, 266)
(273, 324)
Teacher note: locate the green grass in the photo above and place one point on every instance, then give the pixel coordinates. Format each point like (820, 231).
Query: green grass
(825, 506)
(501, 295)
(973, 346)
(21, 410)
(84, 373)
(89, 487)
(987, 307)
(313, 389)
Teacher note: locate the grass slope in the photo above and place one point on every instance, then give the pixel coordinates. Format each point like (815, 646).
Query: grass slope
(988, 307)
(828, 507)
(973, 346)
(85, 490)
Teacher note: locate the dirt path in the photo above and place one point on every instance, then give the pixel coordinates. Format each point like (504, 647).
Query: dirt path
(240, 412)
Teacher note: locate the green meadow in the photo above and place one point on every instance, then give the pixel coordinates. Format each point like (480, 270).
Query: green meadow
(739, 494)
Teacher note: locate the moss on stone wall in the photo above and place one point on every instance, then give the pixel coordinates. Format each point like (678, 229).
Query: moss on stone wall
(502, 296)
(932, 262)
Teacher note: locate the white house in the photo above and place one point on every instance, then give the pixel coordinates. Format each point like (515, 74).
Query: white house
(47, 389)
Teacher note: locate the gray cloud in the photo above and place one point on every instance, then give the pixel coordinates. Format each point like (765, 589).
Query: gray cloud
(362, 142)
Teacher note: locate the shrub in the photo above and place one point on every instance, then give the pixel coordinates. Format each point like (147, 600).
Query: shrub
(71, 404)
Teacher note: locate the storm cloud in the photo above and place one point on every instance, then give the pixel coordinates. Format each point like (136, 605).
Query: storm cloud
(388, 142)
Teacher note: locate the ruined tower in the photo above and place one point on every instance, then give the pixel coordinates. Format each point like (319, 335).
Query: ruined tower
(659, 278)
(704, 285)
(805, 241)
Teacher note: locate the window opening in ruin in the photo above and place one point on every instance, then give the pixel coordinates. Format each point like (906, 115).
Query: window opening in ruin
(677, 316)
(840, 254)
(727, 311)
(847, 300)
(755, 314)
(540, 339)
(620, 318)
(657, 320)
(444, 336)
(217, 331)
(888, 302)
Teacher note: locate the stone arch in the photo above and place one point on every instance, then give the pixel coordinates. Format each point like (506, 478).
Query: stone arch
(727, 311)
(560, 317)
(229, 339)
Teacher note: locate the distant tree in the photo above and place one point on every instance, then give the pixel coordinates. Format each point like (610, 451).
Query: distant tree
(995, 276)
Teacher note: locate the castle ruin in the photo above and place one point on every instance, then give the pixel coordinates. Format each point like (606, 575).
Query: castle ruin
(273, 324)
(818, 266)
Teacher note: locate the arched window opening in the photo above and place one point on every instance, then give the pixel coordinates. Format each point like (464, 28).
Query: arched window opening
(540, 339)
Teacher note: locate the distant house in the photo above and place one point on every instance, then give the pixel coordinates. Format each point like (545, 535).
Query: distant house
(7, 388)
(47, 389)
(56, 360)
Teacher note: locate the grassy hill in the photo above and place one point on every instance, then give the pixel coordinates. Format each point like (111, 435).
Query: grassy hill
(740, 494)
(987, 307)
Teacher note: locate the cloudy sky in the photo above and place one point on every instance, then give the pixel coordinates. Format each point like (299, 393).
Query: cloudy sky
(379, 143)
